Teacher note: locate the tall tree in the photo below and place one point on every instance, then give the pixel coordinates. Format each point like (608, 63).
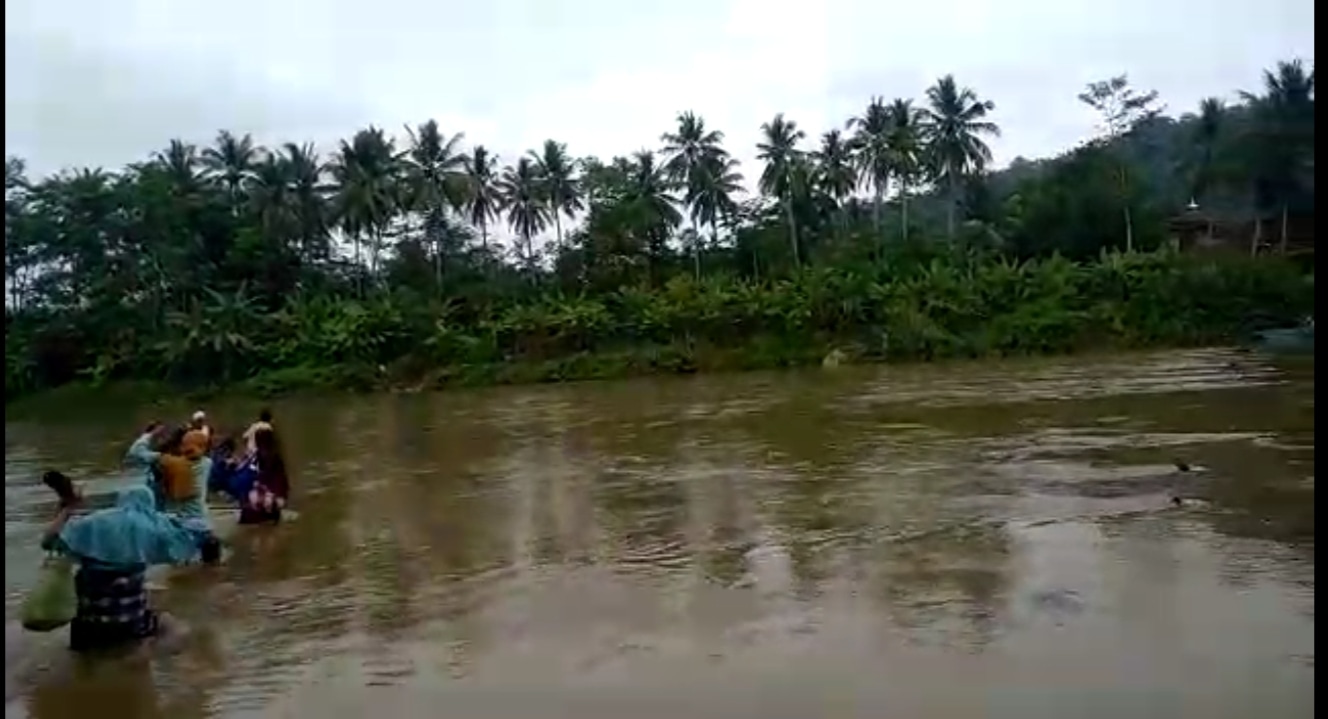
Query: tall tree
(231, 162)
(483, 198)
(527, 209)
(557, 173)
(835, 173)
(693, 159)
(871, 145)
(435, 179)
(367, 172)
(711, 191)
(1284, 136)
(305, 172)
(1122, 109)
(904, 141)
(955, 121)
(778, 149)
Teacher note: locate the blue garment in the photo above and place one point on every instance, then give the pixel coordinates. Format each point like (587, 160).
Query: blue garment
(243, 478)
(140, 456)
(219, 479)
(132, 534)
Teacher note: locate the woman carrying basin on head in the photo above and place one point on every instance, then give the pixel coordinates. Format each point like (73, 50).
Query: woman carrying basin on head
(113, 549)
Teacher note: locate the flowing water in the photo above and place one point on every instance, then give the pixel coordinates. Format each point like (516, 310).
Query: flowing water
(958, 540)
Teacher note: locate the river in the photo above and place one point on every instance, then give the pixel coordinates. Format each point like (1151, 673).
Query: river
(988, 539)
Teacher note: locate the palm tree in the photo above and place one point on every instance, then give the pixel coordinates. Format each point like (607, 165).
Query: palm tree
(435, 183)
(953, 127)
(180, 162)
(1284, 124)
(366, 172)
(309, 196)
(779, 151)
(562, 192)
(483, 198)
(690, 153)
(231, 162)
(871, 144)
(650, 203)
(272, 198)
(1212, 114)
(835, 173)
(527, 211)
(904, 141)
(710, 193)
(690, 146)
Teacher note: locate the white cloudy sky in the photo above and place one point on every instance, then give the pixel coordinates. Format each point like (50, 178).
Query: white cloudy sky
(104, 82)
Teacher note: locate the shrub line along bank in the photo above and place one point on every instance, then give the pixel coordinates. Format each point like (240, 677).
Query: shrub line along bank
(971, 306)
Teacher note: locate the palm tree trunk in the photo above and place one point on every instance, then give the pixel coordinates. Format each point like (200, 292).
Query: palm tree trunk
(793, 232)
(1129, 228)
(438, 259)
(953, 206)
(558, 228)
(1123, 185)
(878, 200)
(903, 212)
(484, 235)
(1284, 228)
(696, 248)
(359, 265)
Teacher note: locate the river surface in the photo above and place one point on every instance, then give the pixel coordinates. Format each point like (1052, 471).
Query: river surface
(951, 540)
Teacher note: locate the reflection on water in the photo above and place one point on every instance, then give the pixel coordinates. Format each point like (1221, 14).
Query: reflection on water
(860, 542)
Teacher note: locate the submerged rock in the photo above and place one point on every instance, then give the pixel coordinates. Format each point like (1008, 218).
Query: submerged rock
(834, 358)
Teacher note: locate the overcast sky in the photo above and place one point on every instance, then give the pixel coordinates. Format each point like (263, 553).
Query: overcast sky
(105, 82)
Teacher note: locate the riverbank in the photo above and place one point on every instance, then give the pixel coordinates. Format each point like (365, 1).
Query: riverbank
(407, 377)
(973, 308)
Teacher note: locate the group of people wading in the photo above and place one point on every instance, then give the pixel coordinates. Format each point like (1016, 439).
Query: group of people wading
(164, 520)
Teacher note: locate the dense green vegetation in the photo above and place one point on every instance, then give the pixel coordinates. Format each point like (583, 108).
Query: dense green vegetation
(422, 261)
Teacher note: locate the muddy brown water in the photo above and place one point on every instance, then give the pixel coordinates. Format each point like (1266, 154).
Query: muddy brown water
(959, 540)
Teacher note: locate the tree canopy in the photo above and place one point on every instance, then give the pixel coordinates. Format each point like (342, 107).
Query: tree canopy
(186, 250)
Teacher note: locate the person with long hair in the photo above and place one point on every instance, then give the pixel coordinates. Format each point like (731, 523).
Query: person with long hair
(271, 488)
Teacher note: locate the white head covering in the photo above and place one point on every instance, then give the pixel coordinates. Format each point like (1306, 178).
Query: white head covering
(200, 415)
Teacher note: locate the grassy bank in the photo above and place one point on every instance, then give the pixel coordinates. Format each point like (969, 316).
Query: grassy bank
(970, 307)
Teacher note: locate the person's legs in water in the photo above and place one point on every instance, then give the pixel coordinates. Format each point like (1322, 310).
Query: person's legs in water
(112, 609)
(210, 550)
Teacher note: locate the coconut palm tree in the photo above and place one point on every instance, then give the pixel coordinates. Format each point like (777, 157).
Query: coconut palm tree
(562, 191)
(649, 204)
(272, 198)
(954, 123)
(483, 199)
(1284, 133)
(180, 162)
(231, 162)
(434, 174)
(871, 145)
(711, 190)
(690, 146)
(835, 173)
(309, 195)
(904, 141)
(778, 149)
(367, 173)
(523, 200)
(690, 153)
